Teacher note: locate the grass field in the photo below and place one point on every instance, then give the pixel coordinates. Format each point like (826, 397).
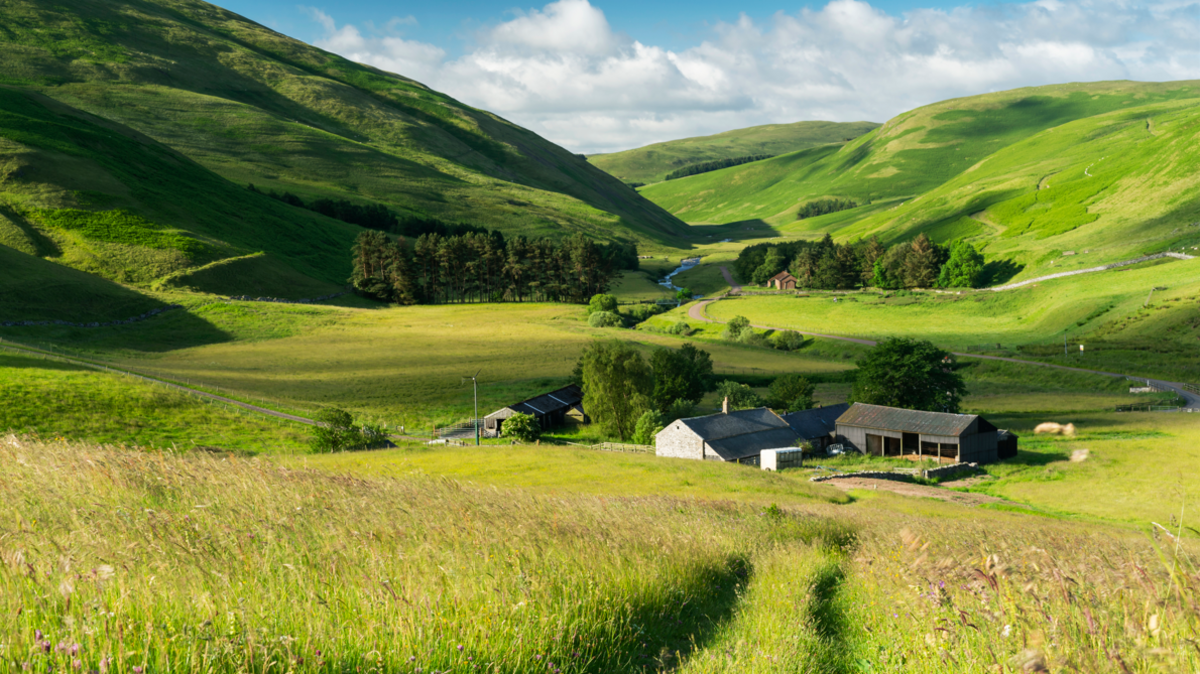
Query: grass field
(652, 163)
(53, 399)
(1103, 311)
(637, 286)
(584, 568)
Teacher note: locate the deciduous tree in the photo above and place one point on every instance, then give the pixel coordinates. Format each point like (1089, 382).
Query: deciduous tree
(911, 374)
(617, 386)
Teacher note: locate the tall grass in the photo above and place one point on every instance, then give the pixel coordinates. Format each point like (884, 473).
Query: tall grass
(144, 562)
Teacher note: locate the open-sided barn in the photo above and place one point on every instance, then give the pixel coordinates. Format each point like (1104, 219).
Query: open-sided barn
(563, 406)
(890, 431)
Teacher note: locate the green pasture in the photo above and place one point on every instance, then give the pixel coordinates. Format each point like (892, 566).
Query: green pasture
(57, 400)
(637, 286)
(1103, 311)
(652, 163)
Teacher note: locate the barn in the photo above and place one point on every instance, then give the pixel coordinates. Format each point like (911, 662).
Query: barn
(890, 431)
(782, 281)
(818, 425)
(564, 406)
(737, 436)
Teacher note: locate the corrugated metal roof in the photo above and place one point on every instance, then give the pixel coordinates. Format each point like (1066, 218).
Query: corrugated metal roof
(907, 421)
(817, 422)
(554, 401)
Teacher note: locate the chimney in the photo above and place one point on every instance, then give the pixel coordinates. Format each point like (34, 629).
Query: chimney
(725, 406)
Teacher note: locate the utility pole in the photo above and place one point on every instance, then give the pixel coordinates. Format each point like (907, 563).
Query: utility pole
(1065, 345)
(475, 421)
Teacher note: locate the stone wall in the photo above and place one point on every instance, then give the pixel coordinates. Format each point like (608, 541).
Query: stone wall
(678, 441)
(311, 300)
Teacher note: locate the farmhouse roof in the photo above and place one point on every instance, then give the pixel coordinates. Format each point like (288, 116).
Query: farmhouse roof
(742, 433)
(817, 422)
(563, 398)
(781, 276)
(911, 421)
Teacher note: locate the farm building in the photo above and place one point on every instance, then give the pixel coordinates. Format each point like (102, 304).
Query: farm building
(889, 431)
(818, 425)
(564, 406)
(782, 281)
(729, 436)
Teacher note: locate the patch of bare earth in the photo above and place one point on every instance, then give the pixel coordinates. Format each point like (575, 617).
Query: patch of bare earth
(917, 490)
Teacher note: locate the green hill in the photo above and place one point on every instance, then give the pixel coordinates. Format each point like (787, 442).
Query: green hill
(910, 155)
(128, 133)
(652, 163)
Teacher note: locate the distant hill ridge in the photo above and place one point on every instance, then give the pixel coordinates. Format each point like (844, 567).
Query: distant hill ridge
(154, 115)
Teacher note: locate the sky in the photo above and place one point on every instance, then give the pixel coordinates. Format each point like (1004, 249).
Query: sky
(601, 76)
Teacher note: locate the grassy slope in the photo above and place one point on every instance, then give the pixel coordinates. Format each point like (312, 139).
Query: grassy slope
(256, 106)
(32, 289)
(1103, 310)
(924, 149)
(53, 399)
(652, 163)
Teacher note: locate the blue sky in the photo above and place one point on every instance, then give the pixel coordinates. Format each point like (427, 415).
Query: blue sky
(598, 75)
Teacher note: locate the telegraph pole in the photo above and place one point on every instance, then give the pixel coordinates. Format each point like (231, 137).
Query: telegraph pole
(475, 421)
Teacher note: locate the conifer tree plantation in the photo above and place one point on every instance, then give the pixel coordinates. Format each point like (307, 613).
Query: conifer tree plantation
(602, 338)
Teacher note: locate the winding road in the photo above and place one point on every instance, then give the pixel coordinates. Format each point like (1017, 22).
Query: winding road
(698, 311)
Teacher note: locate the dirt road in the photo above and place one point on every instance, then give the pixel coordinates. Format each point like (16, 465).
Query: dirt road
(917, 490)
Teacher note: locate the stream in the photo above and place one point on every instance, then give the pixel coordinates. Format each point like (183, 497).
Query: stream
(684, 265)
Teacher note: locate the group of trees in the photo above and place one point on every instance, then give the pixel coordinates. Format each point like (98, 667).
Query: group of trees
(738, 330)
(822, 206)
(620, 386)
(910, 374)
(484, 267)
(716, 164)
(828, 265)
(336, 431)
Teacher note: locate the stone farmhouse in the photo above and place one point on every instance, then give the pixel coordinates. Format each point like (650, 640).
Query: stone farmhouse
(740, 436)
(782, 281)
(888, 431)
(564, 406)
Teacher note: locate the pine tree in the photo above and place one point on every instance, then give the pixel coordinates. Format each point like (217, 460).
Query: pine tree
(921, 265)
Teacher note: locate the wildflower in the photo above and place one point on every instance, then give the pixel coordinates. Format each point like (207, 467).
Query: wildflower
(460, 648)
(77, 664)
(75, 649)
(37, 635)
(1006, 631)
(137, 669)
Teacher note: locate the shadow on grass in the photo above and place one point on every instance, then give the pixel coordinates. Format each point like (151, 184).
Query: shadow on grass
(166, 332)
(999, 272)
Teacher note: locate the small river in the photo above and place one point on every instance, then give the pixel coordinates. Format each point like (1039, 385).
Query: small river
(684, 265)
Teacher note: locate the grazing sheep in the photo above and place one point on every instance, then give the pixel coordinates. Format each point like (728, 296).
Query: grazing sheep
(1052, 428)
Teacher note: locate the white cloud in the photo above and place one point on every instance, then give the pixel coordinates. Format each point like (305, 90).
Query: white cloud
(566, 74)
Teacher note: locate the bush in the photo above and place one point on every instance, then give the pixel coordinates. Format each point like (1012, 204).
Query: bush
(639, 312)
(605, 319)
(788, 340)
(648, 426)
(751, 338)
(682, 328)
(792, 392)
(522, 427)
(602, 302)
(335, 431)
(734, 329)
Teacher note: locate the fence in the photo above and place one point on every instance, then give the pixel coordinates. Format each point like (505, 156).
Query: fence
(1147, 407)
(1191, 389)
(617, 447)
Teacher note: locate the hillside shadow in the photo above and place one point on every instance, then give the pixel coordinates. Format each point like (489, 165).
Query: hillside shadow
(999, 272)
(742, 230)
(169, 331)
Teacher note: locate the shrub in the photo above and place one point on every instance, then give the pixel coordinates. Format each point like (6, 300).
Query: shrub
(682, 328)
(735, 327)
(602, 302)
(522, 427)
(639, 312)
(751, 338)
(335, 431)
(788, 340)
(605, 319)
(792, 392)
(648, 425)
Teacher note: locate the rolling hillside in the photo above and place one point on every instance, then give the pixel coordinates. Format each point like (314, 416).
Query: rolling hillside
(652, 163)
(129, 131)
(958, 158)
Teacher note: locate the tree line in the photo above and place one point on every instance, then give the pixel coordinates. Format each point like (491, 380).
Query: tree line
(825, 264)
(812, 209)
(485, 267)
(374, 216)
(714, 165)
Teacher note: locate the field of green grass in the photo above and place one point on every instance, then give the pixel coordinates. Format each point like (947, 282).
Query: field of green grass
(638, 286)
(1103, 311)
(56, 400)
(652, 163)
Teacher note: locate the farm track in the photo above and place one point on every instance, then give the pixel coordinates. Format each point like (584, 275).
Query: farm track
(698, 312)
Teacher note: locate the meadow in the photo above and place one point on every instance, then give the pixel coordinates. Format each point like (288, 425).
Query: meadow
(1123, 325)
(540, 568)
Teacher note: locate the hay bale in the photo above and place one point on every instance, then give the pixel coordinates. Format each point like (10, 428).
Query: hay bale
(1051, 428)
(1080, 455)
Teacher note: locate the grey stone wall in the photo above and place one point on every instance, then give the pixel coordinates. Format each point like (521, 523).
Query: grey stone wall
(678, 441)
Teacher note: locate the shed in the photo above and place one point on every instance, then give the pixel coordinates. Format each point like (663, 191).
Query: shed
(551, 409)
(736, 436)
(818, 425)
(1006, 444)
(782, 281)
(890, 431)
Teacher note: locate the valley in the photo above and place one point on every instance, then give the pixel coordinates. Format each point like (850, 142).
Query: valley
(227, 256)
